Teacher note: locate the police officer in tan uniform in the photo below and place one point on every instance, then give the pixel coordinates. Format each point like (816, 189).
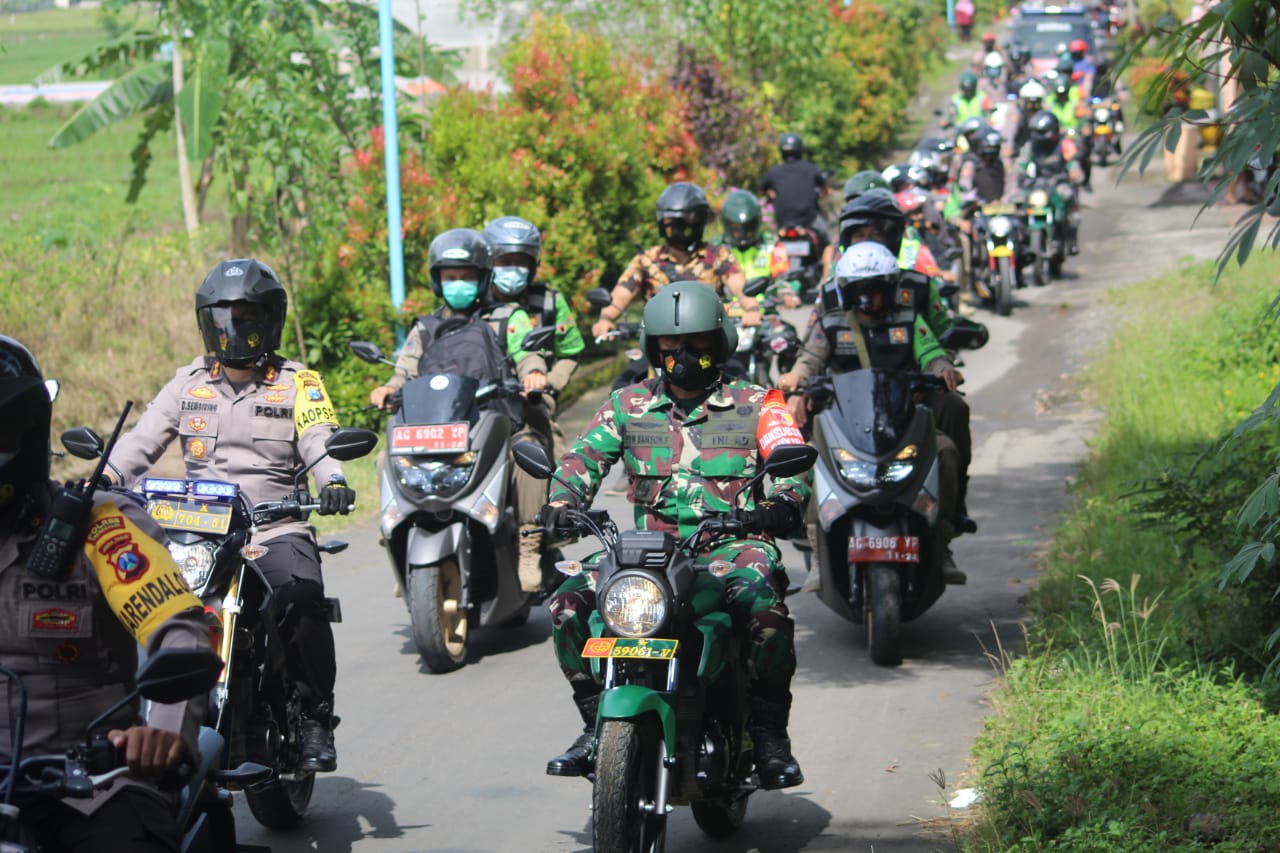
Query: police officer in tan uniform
(74, 639)
(247, 416)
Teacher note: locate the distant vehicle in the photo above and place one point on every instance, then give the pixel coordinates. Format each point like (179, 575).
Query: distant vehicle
(1046, 30)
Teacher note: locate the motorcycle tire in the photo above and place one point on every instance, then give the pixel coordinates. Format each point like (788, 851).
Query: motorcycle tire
(721, 816)
(1004, 285)
(439, 626)
(884, 614)
(281, 805)
(626, 776)
(1055, 266)
(1040, 260)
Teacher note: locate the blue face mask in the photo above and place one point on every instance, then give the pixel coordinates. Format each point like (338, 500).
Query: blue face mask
(461, 295)
(510, 280)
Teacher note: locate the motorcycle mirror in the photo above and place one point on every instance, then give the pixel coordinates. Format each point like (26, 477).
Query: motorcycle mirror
(350, 443)
(366, 351)
(538, 339)
(82, 442)
(790, 460)
(964, 335)
(948, 289)
(756, 286)
(175, 675)
(533, 459)
(53, 386)
(599, 297)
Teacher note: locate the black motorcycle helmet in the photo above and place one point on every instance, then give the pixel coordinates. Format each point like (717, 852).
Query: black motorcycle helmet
(1045, 132)
(240, 310)
(511, 235)
(989, 144)
(25, 412)
(874, 207)
(682, 214)
(898, 176)
(791, 146)
(740, 217)
(459, 247)
(969, 130)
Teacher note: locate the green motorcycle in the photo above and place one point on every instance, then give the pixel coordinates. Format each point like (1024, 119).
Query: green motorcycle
(672, 723)
(1047, 208)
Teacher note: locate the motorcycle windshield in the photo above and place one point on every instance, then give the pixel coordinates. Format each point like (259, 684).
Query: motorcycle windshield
(875, 409)
(441, 398)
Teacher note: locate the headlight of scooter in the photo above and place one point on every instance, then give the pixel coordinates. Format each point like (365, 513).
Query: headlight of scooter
(1039, 198)
(425, 477)
(195, 561)
(1000, 227)
(867, 474)
(1102, 115)
(634, 605)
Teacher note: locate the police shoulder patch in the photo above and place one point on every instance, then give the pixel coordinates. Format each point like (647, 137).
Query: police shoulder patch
(311, 405)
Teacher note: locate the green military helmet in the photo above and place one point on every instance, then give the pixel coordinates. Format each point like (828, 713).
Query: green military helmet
(865, 180)
(968, 83)
(740, 217)
(686, 308)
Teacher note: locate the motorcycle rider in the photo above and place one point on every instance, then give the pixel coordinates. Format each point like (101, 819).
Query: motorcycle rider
(682, 216)
(980, 55)
(523, 303)
(993, 80)
(244, 414)
(794, 186)
(655, 429)
(1030, 101)
(967, 103)
(1049, 154)
(757, 253)
(1081, 64)
(1072, 109)
(75, 644)
(862, 320)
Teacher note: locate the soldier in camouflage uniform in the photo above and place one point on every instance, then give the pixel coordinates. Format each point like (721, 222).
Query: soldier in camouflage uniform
(75, 640)
(865, 318)
(682, 215)
(688, 441)
(246, 415)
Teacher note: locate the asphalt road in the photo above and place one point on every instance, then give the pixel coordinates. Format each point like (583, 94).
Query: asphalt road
(454, 763)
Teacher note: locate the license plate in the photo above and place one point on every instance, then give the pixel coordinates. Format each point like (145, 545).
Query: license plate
(636, 649)
(998, 209)
(1002, 251)
(434, 438)
(796, 247)
(1102, 130)
(884, 549)
(190, 515)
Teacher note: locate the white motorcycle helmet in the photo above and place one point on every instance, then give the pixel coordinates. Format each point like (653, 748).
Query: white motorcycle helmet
(867, 276)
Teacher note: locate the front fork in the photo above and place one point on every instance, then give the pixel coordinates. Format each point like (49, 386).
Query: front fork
(229, 616)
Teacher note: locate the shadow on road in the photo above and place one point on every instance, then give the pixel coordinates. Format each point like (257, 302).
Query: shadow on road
(483, 642)
(333, 830)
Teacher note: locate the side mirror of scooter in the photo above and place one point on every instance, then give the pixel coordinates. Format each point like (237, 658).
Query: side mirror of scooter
(82, 442)
(790, 460)
(964, 334)
(533, 459)
(175, 675)
(350, 443)
(370, 352)
(599, 297)
(756, 286)
(538, 339)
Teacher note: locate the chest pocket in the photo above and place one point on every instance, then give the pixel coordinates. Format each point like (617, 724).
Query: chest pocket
(728, 445)
(55, 619)
(199, 433)
(273, 428)
(648, 453)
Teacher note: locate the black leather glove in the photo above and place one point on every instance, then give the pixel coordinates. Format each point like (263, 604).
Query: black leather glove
(336, 498)
(775, 517)
(555, 517)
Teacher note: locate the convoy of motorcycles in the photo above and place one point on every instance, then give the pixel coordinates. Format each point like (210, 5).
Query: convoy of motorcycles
(673, 716)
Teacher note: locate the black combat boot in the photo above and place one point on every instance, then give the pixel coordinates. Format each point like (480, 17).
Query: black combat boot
(577, 760)
(319, 755)
(775, 765)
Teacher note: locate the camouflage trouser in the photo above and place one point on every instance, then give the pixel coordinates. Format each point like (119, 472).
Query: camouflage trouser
(747, 594)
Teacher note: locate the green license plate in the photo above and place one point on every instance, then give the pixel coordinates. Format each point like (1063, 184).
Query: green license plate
(190, 515)
(636, 649)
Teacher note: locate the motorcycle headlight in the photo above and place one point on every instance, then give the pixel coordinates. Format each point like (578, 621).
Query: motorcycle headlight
(896, 472)
(858, 472)
(1102, 114)
(433, 477)
(1039, 198)
(634, 605)
(868, 474)
(195, 561)
(1000, 226)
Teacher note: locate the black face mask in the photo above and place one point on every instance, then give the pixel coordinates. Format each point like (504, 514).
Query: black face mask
(681, 234)
(690, 369)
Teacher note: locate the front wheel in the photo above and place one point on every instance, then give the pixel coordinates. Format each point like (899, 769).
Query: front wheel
(1004, 286)
(281, 805)
(884, 614)
(436, 615)
(625, 790)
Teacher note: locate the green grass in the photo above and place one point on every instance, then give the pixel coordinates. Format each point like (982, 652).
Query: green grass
(31, 43)
(1139, 720)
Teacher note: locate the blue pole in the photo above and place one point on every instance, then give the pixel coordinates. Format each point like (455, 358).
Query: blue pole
(951, 14)
(391, 149)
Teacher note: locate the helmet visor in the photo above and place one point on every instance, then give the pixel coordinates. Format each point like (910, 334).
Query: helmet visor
(239, 332)
(742, 235)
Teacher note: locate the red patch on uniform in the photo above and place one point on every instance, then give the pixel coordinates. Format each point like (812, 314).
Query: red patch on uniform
(54, 619)
(216, 371)
(898, 335)
(922, 330)
(197, 424)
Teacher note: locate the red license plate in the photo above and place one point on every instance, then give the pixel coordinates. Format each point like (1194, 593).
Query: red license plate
(435, 438)
(884, 549)
(796, 247)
